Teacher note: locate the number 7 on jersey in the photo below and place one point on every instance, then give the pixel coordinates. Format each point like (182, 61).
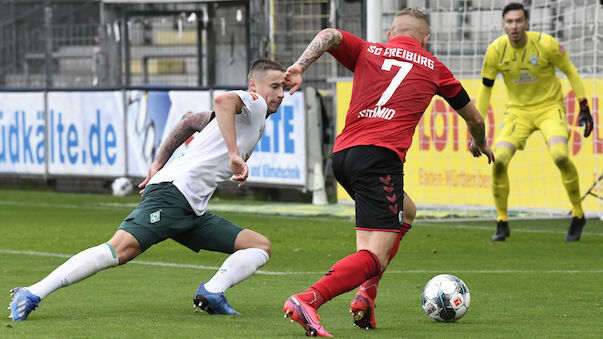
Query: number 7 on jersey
(405, 67)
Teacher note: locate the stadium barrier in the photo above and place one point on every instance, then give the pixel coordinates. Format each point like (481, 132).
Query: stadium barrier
(112, 133)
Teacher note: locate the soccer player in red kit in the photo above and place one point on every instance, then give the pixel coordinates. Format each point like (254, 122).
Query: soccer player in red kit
(394, 83)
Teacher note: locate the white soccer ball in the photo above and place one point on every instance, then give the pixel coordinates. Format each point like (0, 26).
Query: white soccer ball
(445, 298)
(122, 186)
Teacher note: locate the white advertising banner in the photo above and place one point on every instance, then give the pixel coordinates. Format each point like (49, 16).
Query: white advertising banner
(280, 156)
(86, 133)
(22, 133)
(151, 115)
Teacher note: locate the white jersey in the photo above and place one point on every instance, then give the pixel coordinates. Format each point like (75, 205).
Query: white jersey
(204, 163)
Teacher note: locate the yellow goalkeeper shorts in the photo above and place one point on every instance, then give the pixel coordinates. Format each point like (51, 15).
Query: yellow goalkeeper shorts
(519, 124)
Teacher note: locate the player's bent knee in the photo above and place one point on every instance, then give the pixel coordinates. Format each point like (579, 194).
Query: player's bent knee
(266, 246)
(499, 167)
(561, 161)
(560, 154)
(503, 155)
(125, 245)
(251, 239)
(383, 265)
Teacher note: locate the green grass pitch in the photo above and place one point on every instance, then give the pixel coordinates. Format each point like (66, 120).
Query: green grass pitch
(531, 286)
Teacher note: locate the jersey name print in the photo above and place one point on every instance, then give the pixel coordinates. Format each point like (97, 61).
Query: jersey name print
(401, 53)
(393, 85)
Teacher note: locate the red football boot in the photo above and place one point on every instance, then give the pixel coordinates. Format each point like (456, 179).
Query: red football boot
(305, 315)
(363, 309)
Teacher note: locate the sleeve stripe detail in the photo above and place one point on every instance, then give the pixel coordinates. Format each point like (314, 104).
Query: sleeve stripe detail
(488, 82)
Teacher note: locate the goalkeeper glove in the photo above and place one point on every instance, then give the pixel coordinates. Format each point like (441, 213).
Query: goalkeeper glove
(585, 119)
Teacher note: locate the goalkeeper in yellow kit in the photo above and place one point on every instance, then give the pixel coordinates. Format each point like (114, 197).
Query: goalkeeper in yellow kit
(527, 61)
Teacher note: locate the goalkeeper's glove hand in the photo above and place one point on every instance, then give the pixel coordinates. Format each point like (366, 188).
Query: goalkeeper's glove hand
(585, 119)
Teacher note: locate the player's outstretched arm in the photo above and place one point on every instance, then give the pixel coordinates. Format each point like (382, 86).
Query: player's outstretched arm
(328, 38)
(477, 128)
(186, 127)
(226, 106)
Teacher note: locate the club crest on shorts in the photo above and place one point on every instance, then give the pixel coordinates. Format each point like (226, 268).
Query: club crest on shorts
(155, 216)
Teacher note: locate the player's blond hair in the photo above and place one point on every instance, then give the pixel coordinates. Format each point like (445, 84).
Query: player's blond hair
(413, 12)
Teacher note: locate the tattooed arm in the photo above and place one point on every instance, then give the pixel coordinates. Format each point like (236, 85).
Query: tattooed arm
(186, 127)
(477, 129)
(328, 38)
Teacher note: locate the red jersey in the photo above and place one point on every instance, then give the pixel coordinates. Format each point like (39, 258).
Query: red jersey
(393, 85)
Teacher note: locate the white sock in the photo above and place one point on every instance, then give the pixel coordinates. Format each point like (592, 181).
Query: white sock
(237, 267)
(78, 267)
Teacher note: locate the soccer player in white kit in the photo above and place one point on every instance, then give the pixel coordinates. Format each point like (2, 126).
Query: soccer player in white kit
(174, 198)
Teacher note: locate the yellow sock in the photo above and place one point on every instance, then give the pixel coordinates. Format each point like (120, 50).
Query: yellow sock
(569, 177)
(500, 181)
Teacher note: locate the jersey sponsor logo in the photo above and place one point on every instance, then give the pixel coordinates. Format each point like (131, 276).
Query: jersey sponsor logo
(377, 112)
(524, 77)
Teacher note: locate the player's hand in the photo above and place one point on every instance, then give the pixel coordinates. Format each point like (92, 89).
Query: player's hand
(479, 150)
(239, 169)
(293, 78)
(154, 168)
(585, 119)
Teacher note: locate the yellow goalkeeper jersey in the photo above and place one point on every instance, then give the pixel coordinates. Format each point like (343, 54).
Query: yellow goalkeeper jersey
(529, 72)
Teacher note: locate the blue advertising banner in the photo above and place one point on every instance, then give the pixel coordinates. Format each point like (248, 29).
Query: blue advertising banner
(280, 156)
(86, 133)
(22, 133)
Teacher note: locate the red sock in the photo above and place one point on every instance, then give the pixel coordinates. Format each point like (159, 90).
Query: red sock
(370, 286)
(344, 276)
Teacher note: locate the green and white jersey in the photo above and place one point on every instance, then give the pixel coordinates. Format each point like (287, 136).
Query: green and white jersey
(204, 163)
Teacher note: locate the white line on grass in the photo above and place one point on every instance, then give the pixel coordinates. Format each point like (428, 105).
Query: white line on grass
(71, 206)
(213, 268)
(491, 228)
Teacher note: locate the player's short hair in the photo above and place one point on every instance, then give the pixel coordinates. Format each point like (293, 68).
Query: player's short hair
(261, 66)
(413, 12)
(514, 6)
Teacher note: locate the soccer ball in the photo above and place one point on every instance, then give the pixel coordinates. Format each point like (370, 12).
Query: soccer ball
(121, 186)
(445, 298)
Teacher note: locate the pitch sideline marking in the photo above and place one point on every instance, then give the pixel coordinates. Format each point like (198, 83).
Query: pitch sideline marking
(263, 272)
